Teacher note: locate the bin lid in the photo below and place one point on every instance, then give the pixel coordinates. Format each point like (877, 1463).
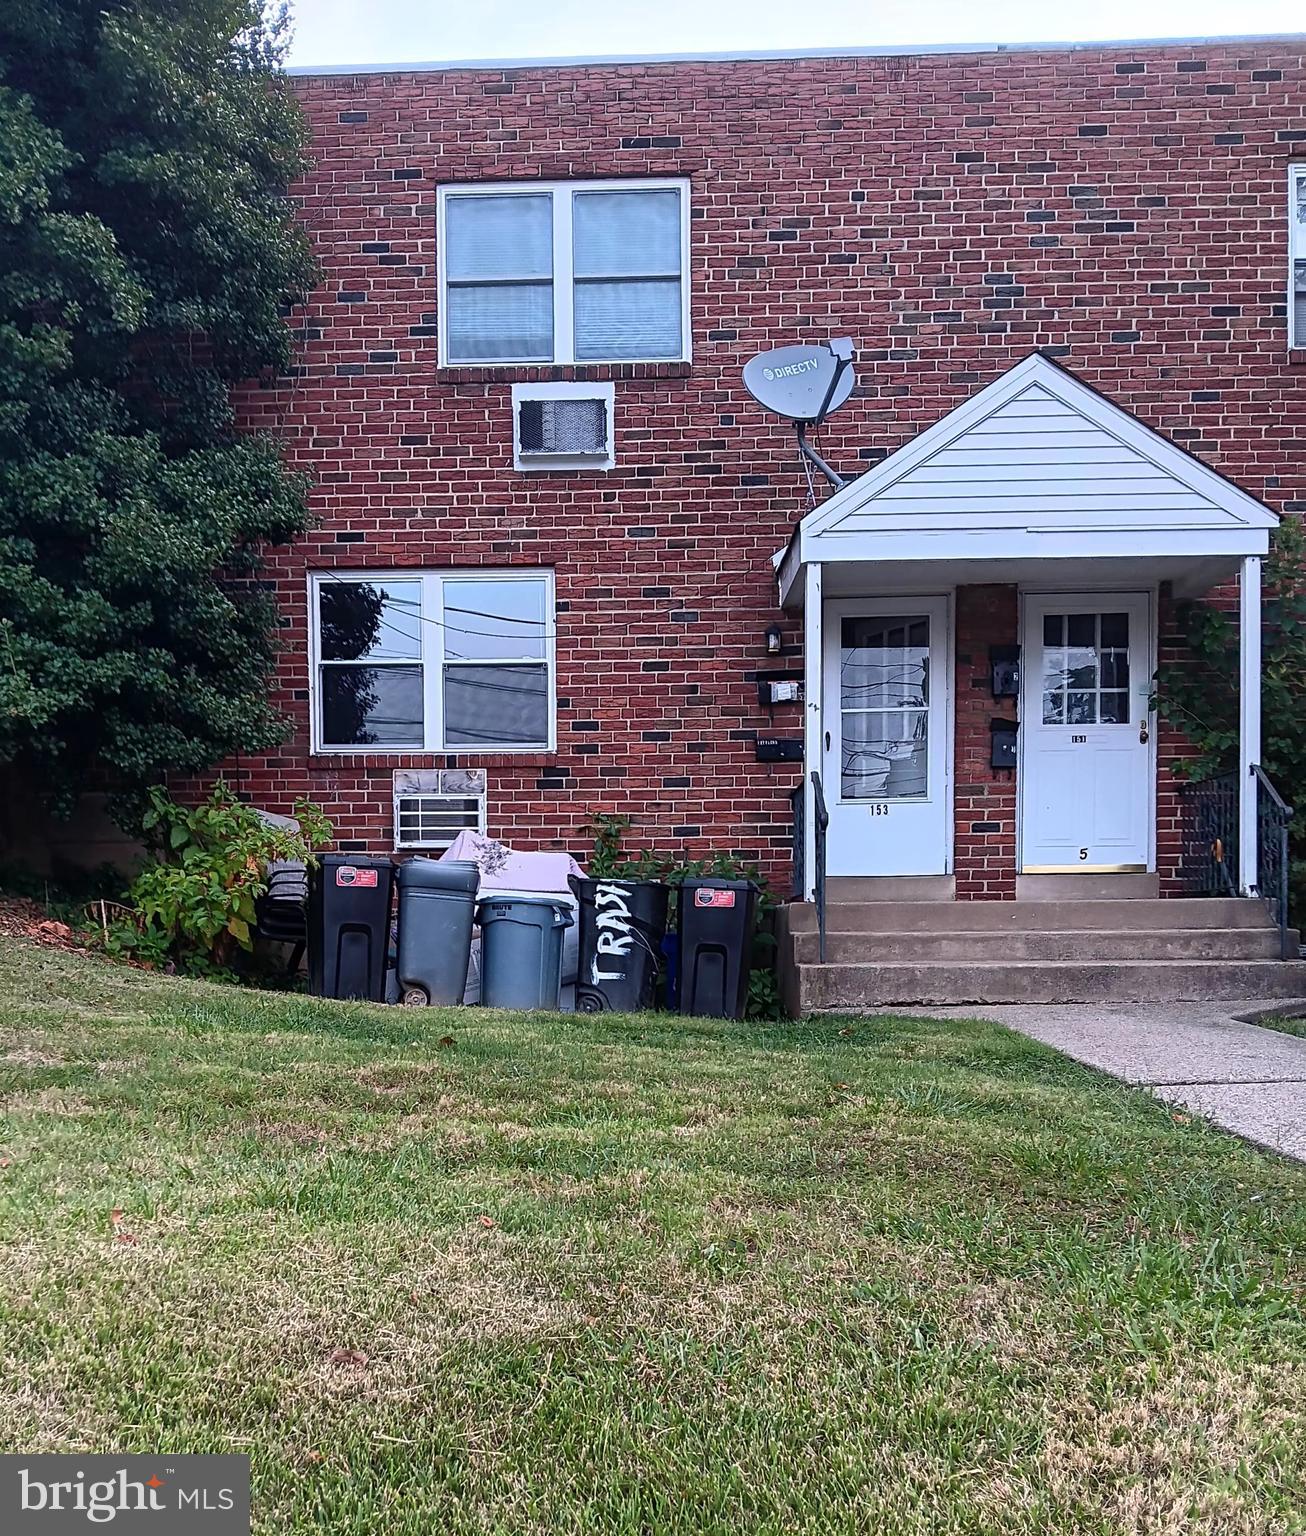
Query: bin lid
(439, 875)
(362, 860)
(558, 904)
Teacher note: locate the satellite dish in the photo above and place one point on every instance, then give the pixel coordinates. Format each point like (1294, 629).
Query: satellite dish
(804, 383)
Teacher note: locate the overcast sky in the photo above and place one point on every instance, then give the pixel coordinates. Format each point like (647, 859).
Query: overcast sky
(414, 31)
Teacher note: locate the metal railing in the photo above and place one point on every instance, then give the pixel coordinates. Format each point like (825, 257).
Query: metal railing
(798, 847)
(1210, 855)
(822, 825)
(796, 802)
(1273, 817)
(1210, 816)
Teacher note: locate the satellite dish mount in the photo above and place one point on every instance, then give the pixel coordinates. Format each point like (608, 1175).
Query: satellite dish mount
(806, 384)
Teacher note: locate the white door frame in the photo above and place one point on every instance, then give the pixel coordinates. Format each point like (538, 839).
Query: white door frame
(1031, 698)
(832, 610)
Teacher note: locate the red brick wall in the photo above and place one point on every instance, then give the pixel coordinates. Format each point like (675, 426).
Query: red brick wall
(1122, 209)
(984, 797)
(1172, 747)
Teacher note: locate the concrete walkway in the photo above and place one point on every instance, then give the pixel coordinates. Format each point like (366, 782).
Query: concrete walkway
(1197, 1056)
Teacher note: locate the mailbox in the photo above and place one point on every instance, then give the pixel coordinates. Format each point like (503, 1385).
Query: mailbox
(1004, 671)
(1003, 743)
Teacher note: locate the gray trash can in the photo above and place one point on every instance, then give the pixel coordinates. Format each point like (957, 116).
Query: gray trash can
(437, 901)
(521, 950)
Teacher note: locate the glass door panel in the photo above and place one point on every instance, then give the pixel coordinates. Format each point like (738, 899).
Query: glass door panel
(884, 707)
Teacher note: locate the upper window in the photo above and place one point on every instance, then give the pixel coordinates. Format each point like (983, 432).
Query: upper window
(564, 272)
(460, 661)
(1297, 255)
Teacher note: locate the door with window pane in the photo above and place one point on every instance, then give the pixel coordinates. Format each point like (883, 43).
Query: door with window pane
(885, 722)
(1086, 770)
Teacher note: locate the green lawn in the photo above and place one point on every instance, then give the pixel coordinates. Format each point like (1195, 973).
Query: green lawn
(473, 1272)
(1285, 1023)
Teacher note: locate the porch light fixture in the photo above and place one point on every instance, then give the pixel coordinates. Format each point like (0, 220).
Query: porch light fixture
(774, 640)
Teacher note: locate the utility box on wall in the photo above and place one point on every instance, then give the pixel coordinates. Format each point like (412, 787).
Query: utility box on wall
(1003, 750)
(1004, 671)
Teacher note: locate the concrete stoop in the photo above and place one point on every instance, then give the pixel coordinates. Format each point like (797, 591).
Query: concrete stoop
(1142, 950)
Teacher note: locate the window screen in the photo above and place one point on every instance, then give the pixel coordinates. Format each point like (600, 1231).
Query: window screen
(499, 275)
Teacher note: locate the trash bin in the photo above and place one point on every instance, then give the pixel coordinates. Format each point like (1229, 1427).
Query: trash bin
(671, 971)
(521, 950)
(622, 923)
(437, 902)
(716, 941)
(349, 926)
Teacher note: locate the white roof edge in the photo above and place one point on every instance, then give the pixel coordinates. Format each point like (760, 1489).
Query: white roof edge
(743, 56)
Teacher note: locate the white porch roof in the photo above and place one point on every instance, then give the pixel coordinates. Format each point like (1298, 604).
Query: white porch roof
(1035, 470)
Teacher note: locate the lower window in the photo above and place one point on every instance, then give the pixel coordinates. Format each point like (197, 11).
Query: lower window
(451, 661)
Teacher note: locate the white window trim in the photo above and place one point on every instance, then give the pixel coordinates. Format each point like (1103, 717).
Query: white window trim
(1296, 245)
(432, 660)
(543, 463)
(563, 327)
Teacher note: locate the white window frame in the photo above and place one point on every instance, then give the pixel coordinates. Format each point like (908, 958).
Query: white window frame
(433, 661)
(561, 192)
(1296, 244)
(543, 463)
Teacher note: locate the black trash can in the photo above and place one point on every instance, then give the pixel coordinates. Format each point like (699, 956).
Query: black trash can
(716, 944)
(437, 902)
(349, 926)
(622, 925)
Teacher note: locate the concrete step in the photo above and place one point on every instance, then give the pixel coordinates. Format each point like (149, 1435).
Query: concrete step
(1027, 916)
(1041, 944)
(845, 987)
(891, 888)
(1086, 886)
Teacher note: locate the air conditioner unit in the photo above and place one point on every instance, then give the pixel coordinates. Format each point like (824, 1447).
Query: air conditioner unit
(562, 426)
(433, 805)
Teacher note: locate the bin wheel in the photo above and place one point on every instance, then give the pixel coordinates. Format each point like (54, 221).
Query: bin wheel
(589, 1002)
(415, 997)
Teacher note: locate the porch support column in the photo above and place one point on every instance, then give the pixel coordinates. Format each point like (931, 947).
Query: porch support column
(1249, 718)
(813, 756)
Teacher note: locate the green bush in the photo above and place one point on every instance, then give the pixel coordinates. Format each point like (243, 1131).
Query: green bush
(194, 902)
(1199, 693)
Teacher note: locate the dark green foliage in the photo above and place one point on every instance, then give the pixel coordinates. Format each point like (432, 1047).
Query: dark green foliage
(147, 256)
(1200, 694)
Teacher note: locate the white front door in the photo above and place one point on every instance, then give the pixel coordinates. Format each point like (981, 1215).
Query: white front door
(885, 707)
(1086, 772)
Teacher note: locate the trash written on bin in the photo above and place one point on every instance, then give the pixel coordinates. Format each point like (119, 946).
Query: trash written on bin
(621, 927)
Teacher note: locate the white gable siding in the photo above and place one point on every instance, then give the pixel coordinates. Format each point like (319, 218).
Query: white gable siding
(1034, 470)
(1032, 462)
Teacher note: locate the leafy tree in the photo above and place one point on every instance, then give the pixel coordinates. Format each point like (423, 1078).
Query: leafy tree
(148, 257)
(1200, 693)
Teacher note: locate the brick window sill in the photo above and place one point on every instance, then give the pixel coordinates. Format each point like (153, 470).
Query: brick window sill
(395, 760)
(560, 373)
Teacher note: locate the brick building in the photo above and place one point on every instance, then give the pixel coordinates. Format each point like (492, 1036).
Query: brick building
(553, 529)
